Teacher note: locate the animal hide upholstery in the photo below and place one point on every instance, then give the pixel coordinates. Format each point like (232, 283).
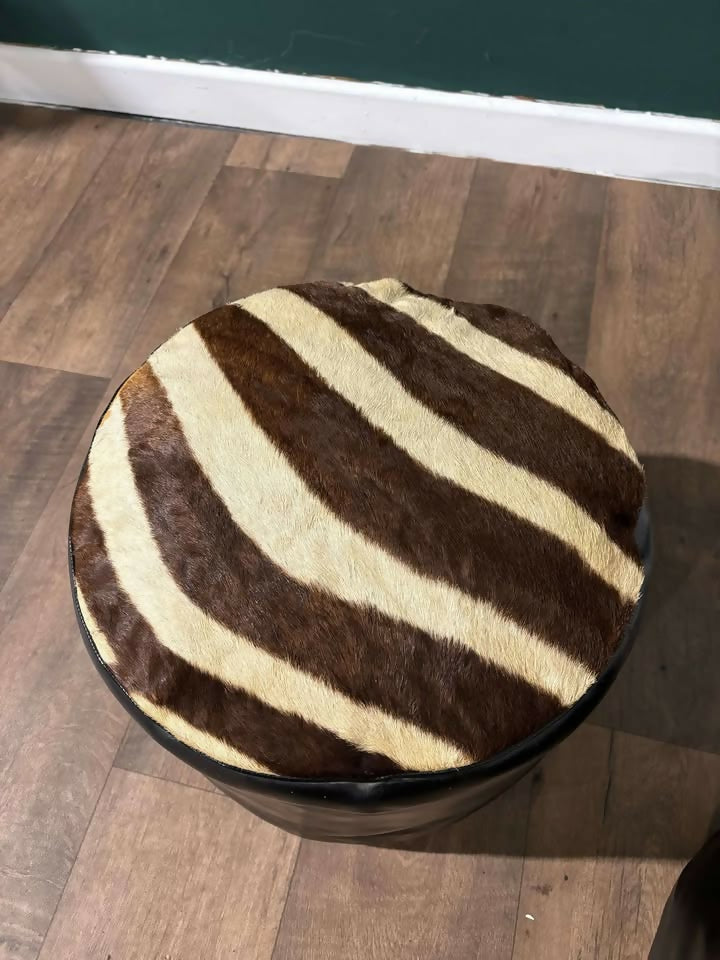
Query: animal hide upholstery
(342, 531)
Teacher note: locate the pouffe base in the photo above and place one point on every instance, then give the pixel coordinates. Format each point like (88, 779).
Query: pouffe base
(378, 822)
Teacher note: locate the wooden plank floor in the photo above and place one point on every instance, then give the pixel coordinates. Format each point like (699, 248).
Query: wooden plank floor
(113, 232)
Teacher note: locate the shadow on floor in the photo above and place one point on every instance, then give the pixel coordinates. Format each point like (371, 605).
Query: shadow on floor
(55, 27)
(668, 689)
(21, 119)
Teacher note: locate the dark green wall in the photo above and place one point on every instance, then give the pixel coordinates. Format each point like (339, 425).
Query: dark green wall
(638, 54)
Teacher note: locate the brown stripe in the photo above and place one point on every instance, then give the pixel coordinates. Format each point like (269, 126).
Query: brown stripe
(288, 745)
(437, 685)
(422, 519)
(599, 478)
(520, 332)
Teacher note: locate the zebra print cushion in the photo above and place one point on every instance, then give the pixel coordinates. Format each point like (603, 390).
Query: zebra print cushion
(343, 531)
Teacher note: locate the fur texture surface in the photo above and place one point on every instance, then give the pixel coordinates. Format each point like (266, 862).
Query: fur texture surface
(342, 531)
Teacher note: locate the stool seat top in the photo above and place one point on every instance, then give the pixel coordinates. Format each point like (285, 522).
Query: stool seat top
(338, 531)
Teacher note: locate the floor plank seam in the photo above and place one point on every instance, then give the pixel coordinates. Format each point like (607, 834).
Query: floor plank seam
(606, 798)
(316, 248)
(521, 878)
(155, 776)
(46, 369)
(287, 897)
(654, 740)
(101, 791)
(461, 225)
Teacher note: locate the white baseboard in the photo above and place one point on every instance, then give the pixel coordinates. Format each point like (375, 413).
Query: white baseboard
(587, 139)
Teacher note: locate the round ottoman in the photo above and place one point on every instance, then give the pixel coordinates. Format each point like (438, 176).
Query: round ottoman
(359, 554)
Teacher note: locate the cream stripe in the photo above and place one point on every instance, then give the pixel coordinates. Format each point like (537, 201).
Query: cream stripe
(542, 378)
(433, 442)
(273, 505)
(194, 737)
(190, 633)
(102, 645)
